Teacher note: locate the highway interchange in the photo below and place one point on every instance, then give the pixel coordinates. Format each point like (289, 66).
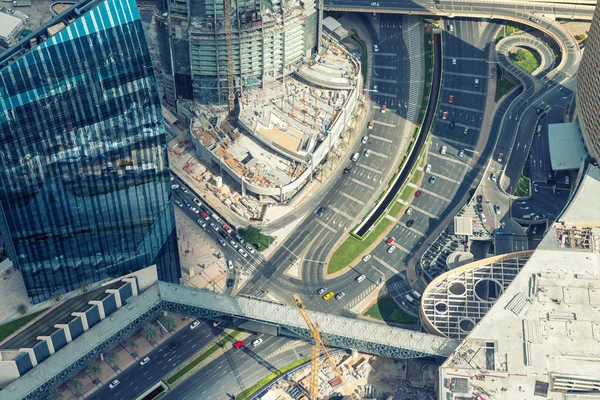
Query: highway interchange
(348, 196)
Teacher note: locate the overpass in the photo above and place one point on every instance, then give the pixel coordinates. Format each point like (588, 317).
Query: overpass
(240, 312)
(512, 10)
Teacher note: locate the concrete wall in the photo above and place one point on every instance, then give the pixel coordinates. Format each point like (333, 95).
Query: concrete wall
(76, 328)
(59, 339)
(125, 292)
(109, 304)
(41, 351)
(93, 316)
(9, 371)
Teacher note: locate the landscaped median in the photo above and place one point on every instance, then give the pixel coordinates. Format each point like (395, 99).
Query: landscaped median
(229, 337)
(268, 379)
(387, 310)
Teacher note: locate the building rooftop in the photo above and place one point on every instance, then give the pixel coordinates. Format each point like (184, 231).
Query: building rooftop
(540, 337)
(8, 24)
(566, 146)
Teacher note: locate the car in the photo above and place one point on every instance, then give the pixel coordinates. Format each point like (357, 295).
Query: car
(250, 248)
(445, 115)
(483, 219)
(497, 209)
(371, 123)
(479, 198)
(321, 291)
(418, 193)
(391, 249)
(239, 344)
(184, 190)
(239, 238)
(229, 264)
(194, 324)
(536, 188)
(364, 140)
(229, 283)
(500, 157)
(366, 257)
(534, 230)
(340, 295)
(374, 88)
(493, 177)
(409, 211)
(461, 153)
(114, 384)
(466, 131)
(201, 223)
(376, 48)
(444, 150)
(567, 180)
(226, 228)
(197, 201)
(195, 210)
(367, 153)
(328, 296)
(451, 124)
(204, 215)
(321, 211)
(451, 28)
(145, 361)
(355, 157)
(214, 227)
(374, 4)
(454, 61)
(347, 170)
(539, 110)
(432, 179)
(410, 223)
(360, 278)
(234, 244)
(179, 204)
(187, 203)
(479, 208)
(216, 218)
(390, 240)
(476, 83)
(222, 242)
(383, 108)
(428, 168)
(450, 99)
(174, 187)
(257, 342)
(242, 252)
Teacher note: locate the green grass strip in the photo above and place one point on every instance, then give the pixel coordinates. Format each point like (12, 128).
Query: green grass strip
(522, 187)
(219, 344)
(353, 247)
(387, 310)
(266, 380)
(530, 63)
(365, 56)
(11, 327)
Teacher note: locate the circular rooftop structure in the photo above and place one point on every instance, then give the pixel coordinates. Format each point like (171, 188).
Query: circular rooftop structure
(456, 301)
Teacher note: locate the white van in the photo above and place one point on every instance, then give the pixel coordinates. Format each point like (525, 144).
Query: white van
(355, 157)
(360, 278)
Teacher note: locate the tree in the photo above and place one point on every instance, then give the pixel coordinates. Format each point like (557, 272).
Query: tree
(75, 386)
(84, 286)
(150, 333)
(354, 117)
(320, 170)
(350, 130)
(112, 358)
(168, 322)
(582, 36)
(519, 55)
(94, 370)
(133, 345)
(361, 105)
(53, 394)
(56, 295)
(22, 309)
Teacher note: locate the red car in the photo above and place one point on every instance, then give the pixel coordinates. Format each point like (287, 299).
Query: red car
(451, 99)
(390, 240)
(383, 108)
(500, 156)
(227, 228)
(204, 215)
(418, 193)
(445, 115)
(239, 345)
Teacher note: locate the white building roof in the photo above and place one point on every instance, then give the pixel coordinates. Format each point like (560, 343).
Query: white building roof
(8, 24)
(331, 24)
(566, 146)
(585, 206)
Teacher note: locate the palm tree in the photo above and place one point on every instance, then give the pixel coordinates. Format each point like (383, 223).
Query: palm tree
(168, 322)
(94, 370)
(354, 117)
(84, 286)
(75, 386)
(343, 146)
(320, 170)
(149, 333)
(112, 358)
(22, 309)
(133, 346)
(53, 394)
(361, 105)
(350, 130)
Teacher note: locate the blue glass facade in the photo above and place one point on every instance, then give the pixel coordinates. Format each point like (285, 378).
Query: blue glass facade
(84, 176)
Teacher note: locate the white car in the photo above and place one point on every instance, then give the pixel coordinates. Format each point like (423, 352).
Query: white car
(234, 244)
(483, 219)
(184, 190)
(376, 48)
(201, 223)
(428, 168)
(373, 4)
(174, 187)
(257, 342)
(360, 278)
(375, 88)
(493, 177)
(195, 210)
(249, 248)
(229, 264)
(114, 384)
(179, 204)
(364, 139)
(145, 361)
(461, 153)
(194, 324)
(444, 150)
(366, 257)
(391, 249)
(242, 252)
(454, 61)
(367, 153)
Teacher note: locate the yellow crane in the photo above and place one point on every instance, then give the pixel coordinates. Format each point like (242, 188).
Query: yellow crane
(230, 88)
(318, 348)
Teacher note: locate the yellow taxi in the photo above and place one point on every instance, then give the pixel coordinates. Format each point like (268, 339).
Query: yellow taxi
(371, 124)
(328, 296)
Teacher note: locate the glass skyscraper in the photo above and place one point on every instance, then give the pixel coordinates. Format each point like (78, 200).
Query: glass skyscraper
(84, 177)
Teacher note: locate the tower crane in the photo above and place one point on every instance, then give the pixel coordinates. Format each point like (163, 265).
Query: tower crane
(318, 348)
